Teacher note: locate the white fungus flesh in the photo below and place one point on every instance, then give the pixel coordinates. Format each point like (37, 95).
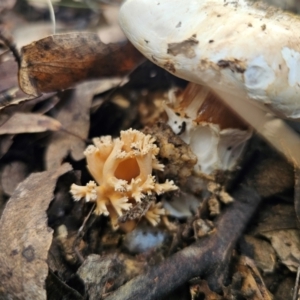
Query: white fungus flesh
(215, 134)
(239, 46)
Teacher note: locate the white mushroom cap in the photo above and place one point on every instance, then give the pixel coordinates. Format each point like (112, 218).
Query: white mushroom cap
(237, 45)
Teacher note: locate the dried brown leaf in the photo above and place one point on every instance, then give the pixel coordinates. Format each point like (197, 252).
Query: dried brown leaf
(5, 143)
(8, 74)
(59, 61)
(251, 283)
(286, 244)
(264, 254)
(12, 174)
(28, 122)
(21, 99)
(26, 238)
(6, 4)
(9, 86)
(278, 217)
(74, 114)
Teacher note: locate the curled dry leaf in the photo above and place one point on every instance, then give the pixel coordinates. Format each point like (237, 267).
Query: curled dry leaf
(28, 122)
(26, 238)
(59, 61)
(21, 99)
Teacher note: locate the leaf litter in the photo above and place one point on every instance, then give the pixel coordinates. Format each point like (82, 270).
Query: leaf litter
(24, 249)
(51, 249)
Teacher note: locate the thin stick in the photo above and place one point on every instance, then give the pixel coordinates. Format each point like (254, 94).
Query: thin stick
(80, 234)
(52, 15)
(296, 288)
(85, 220)
(11, 46)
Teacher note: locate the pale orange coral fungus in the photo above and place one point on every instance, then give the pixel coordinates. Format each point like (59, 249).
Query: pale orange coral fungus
(122, 169)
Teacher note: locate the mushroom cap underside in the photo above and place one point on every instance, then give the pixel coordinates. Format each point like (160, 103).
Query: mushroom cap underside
(236, 46)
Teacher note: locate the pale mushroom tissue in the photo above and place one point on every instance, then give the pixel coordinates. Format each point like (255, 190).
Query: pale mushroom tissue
(235, 45)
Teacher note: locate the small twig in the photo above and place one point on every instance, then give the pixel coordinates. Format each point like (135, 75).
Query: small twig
(296, 288)
(85, 220)
(52, 15)
(79, 256)
(80, 234)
